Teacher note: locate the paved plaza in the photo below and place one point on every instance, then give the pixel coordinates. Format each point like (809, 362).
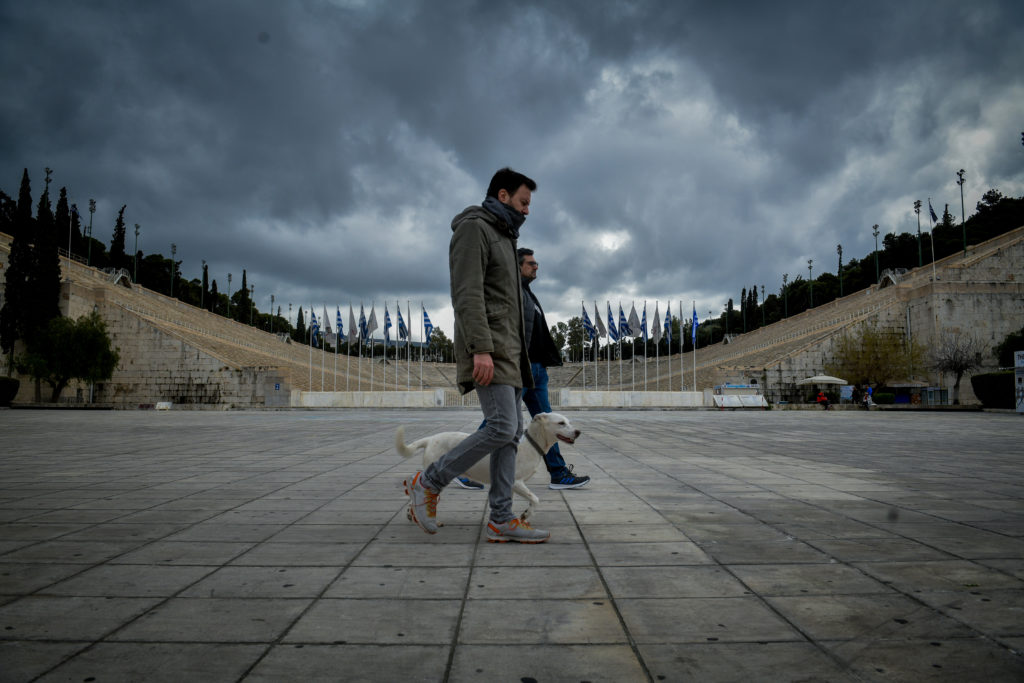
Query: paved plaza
(710, 546)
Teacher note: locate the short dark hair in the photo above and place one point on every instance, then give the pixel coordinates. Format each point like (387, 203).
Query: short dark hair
(510, 181)
(524, 252)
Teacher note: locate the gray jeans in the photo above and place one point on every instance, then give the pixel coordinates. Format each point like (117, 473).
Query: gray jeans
(504, 415)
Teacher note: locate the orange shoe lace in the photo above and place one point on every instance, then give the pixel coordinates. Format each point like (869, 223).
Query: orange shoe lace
(515, 521)
(430, 500)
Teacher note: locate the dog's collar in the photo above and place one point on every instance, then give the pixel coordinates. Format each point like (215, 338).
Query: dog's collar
(533, 443)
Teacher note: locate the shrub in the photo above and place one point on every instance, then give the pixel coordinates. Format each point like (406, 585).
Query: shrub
(884, 398)
(994, 389)
(8, 390)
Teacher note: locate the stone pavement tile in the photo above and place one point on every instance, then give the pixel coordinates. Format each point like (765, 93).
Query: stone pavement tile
(405, 531)
(866, 617)
(78, 516)
(536, 582)
(222, 620)
(936, 659)
(533, 662)
(438, 554)
(705, 514)
(68, 618)
(797, 661)
(400, 583)
(996, 613)
(699, 620)
(299, 554)
(645, 554)
(184, 552)
(981, 545)
(550, 554)
(183, 517)
(71, 552)
(158, 662)
(950, 575)
(24, 660)
(610, 516)
(807, 579)
(879, 550)
(115, 531)
(544, 622)
(129, 581)
(351, 516)
(201, 502)
(672, 582)
(1012, 567)
(22, 579)
(259, 517)
(325, 533)
(355, 663)
(37, 532)
(632, 533)
(713, 532)
(263, 582)
(756, 552)
(239, 533)
(394, 621)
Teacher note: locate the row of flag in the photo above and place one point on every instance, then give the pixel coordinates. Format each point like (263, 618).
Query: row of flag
(366, 326)
(627, 326)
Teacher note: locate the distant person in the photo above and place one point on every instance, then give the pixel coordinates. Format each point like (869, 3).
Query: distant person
(822, 400)
(490, 355)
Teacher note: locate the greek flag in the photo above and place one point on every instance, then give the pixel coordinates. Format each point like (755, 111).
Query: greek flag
(363, 334)
(624, 329)
(428, 328)
(643, 324)
(337, 320)
(588, 327)
(387, 325)
(613, 334)
(935, 219)
(668, 323)
(403, 331)
(314, 327)
(693, 329)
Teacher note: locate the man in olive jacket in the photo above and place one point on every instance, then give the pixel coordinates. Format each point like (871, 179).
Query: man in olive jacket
(491, 355)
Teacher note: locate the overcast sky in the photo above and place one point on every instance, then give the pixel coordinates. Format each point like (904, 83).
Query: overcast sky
(683, 150)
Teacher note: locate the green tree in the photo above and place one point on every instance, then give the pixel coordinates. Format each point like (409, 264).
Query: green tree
(576, 338)
(870, 355)
(300, 328)
(71, 349)
(17, 280)
(559, 334)
(441, 347)
(1004, 351)
(117, 257)
(44, 275)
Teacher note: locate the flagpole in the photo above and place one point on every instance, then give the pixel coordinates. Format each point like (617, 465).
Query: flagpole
(323, 355)
(422, 311)
(362, 340)
(337, 343)
(311, 355)
(668, 344)
(657, 353)
(643, 334)
(348, 351)
(408, 347)
(694, 341)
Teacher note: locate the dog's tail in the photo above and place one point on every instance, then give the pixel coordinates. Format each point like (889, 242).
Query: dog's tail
(403, 449)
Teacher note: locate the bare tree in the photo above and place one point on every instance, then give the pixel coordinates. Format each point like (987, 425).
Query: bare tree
(957, 353)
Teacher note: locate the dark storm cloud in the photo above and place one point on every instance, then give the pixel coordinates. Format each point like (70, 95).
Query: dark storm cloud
(683, 150)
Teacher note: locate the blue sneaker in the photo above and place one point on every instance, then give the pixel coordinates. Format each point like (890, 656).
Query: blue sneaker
(569, 481)
(467, 483)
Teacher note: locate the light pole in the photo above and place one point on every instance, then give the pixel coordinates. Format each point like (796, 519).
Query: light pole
(839, 250)
(785, 296)
(202, 288)
(174, 250)
(764, 320)
(229, 296)
(252, 293)
(92, 210)
(810, 280)
(135, 257)
(874, 231)
(917, 210)
(960, 180)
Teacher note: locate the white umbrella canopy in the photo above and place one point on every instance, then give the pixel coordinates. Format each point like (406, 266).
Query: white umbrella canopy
(822, 379)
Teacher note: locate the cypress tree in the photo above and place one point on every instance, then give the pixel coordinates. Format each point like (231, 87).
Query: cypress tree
(117, 253)
(62, 219)
(214, 297)
(300, 328)
(17, 287)
(206, 287)
(44, 277)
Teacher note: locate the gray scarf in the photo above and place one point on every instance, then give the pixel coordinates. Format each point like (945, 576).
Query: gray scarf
(506, 214)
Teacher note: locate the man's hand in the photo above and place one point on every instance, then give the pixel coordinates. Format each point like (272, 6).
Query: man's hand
(483, 368)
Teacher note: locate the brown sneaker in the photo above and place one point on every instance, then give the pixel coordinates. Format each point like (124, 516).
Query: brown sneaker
(422, 504)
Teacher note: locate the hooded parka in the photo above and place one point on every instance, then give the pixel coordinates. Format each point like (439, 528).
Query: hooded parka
(487, 299)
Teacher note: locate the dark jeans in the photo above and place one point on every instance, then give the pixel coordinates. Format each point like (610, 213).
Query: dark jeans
(536, 401)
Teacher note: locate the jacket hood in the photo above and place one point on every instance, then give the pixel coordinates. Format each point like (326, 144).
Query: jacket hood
(475, 212)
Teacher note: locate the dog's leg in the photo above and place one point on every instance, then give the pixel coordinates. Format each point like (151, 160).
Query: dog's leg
(520, 487)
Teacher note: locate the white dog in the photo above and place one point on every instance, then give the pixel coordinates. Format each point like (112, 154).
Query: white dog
(541, 434)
